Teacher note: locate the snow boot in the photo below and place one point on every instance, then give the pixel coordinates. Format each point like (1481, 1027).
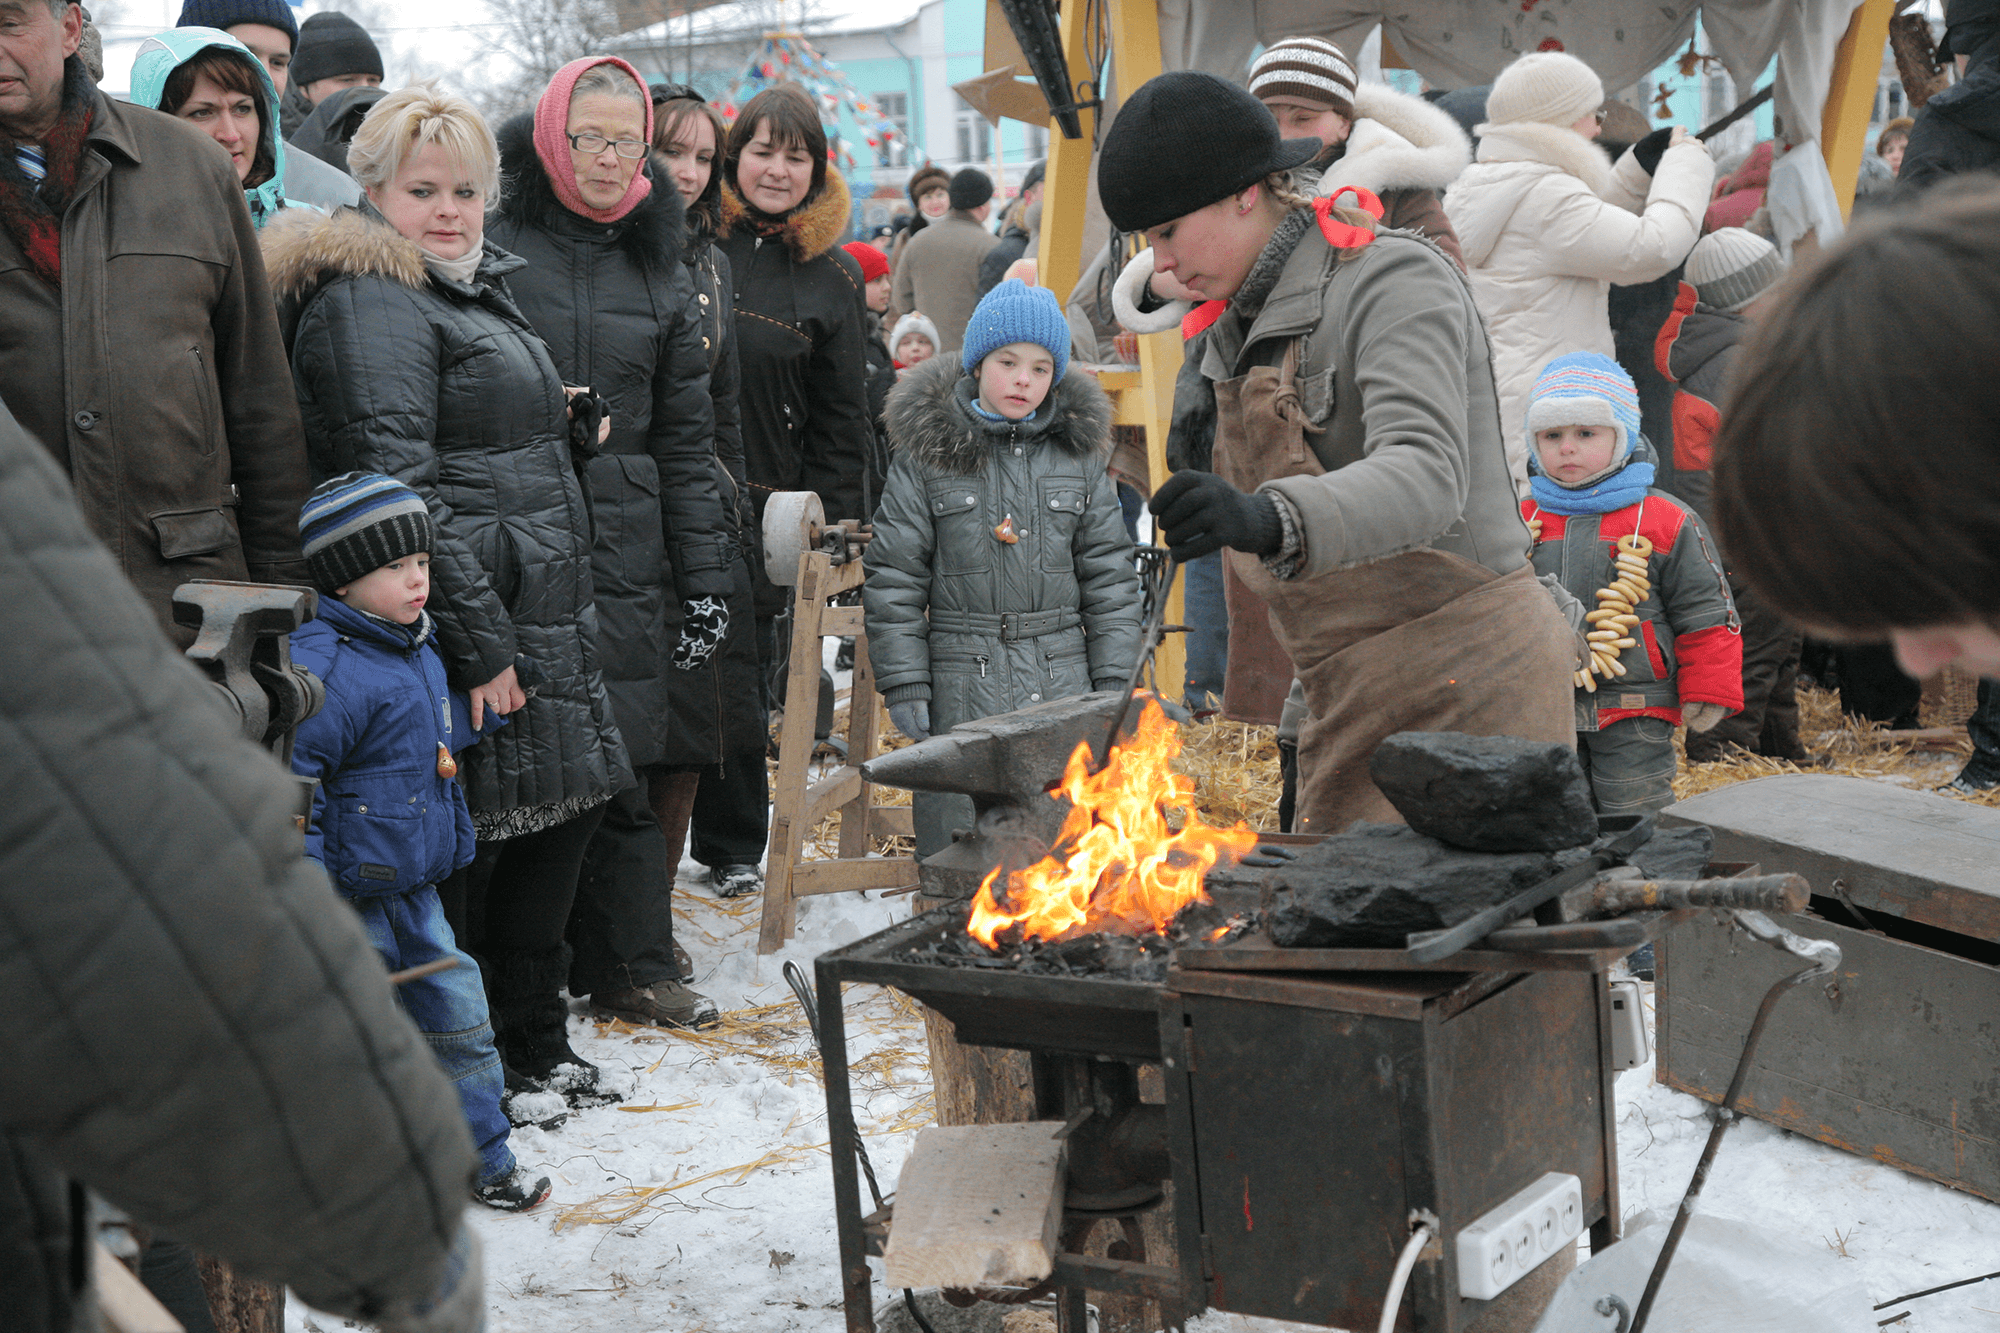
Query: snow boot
(665, 1003)
(736, 881)
(515, 1192)
(531, 1025)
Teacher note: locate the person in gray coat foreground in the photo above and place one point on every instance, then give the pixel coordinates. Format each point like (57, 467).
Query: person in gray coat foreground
(200, 1031)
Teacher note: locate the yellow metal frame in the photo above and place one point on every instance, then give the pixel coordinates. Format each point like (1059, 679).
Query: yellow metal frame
(1144, 398)
(1850, 97)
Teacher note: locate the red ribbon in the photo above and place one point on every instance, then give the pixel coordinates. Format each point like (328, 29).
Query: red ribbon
(1345, 235)
(1201, 317)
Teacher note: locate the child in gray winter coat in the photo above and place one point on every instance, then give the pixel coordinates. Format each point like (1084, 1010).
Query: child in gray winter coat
(1001, 574)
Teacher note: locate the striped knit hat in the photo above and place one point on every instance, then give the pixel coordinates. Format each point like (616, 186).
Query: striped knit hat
(1309, 68)
(357, 522)
(1586, 389)
(1731, 267)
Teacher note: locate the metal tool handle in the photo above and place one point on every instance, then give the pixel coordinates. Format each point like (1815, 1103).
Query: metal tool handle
(1624, 933)
(1763, 893)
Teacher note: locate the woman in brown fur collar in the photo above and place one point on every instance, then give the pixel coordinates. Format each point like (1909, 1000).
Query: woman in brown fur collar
(803, 390)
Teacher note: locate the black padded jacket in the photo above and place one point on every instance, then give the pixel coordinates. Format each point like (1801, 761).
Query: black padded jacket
(445, 386)
(612, 301)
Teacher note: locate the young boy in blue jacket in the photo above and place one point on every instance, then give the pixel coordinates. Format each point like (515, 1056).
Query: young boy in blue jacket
(388, 820)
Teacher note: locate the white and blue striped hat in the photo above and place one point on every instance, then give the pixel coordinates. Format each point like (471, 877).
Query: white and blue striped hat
(357, 522)
(1586, 389)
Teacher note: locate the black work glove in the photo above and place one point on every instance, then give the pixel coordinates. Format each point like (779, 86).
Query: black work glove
(1647, 151)
(704, 620)
(1199, 512)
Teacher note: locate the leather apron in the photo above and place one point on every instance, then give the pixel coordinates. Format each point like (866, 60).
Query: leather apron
(1420, 641)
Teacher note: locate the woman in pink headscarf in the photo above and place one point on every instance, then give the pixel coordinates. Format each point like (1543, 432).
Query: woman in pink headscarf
(605, 287)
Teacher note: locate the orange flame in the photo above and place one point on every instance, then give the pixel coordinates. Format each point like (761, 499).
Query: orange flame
(1116, 866)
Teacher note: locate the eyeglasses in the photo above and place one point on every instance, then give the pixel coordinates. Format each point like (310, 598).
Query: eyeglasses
(674, 92)
(1601, 113)
(630, 149)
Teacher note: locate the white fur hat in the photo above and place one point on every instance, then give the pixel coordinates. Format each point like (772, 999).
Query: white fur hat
(1551, 87)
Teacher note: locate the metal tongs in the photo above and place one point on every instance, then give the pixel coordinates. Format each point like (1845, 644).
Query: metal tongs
(1149, 641)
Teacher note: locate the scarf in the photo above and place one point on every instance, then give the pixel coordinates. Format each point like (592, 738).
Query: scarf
(552, 141)
(31, 215)
(1627, 486)
(463, 269)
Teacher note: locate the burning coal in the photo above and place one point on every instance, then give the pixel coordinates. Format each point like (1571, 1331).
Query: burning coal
(1116, 866)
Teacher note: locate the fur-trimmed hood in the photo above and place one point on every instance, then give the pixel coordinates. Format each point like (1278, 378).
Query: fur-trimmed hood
(653, 234)
(929, 417)
(811, 230)
(1398, 142)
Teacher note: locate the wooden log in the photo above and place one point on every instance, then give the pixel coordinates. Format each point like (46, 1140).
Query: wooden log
(241, 1304)
(1917, 63)
(123, 1303)
(977, 1205)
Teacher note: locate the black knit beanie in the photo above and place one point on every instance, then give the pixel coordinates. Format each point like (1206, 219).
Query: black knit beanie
(226, 14)
(331, 44)
(970, 188)
(1183, 141)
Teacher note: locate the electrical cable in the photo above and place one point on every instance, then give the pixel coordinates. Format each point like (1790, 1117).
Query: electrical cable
(1404, 1263)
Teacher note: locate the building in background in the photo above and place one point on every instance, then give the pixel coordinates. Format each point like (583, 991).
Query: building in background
(900, 56)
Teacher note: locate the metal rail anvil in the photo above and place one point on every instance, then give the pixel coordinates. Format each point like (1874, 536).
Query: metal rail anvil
(1006, 764)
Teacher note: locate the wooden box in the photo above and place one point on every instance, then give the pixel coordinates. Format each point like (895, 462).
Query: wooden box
(1894, 1059)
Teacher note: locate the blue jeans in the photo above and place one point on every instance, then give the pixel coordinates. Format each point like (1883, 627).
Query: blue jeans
(1208, 637)
(449, 1008)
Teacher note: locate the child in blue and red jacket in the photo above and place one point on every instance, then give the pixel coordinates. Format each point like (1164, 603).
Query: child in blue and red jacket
(1591, 482)
(388, 820)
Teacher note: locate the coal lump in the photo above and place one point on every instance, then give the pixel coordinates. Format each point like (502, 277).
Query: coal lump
(1486, 793)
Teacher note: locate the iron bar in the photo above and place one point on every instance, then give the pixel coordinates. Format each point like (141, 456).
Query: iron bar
(1725, 1116)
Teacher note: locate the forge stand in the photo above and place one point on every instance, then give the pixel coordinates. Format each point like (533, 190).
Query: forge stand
(1307, 1117)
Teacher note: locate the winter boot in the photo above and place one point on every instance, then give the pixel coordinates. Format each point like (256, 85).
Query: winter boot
(531, 1024)
(515, 1192)
(736, 881)
(665, 1003)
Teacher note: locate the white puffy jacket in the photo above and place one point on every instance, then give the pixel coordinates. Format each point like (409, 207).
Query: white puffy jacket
(1546, 225)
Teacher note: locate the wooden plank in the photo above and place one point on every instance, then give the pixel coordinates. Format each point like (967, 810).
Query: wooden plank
(977, 1205)
(1850, 96)
(876, 872)
(893, 821)
(864, 742)
(830, 793)
(844, 621)
(789, 824)
(123, 1303)
(1890, 1062)
(1912, 854)
(1135, 56)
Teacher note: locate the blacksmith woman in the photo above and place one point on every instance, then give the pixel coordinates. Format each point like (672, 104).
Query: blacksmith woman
(1361, 484)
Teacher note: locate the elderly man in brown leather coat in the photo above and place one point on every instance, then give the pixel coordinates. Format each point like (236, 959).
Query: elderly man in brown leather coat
(137, 336)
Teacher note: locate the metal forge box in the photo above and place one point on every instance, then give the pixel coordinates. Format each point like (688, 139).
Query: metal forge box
(1307, 1116)
(1316, 1113)
(1895, 1060)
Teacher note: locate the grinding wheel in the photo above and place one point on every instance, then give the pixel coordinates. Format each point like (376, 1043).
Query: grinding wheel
(792, 523)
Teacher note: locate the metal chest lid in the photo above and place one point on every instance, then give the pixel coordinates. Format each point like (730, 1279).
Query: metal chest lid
(1912, 854)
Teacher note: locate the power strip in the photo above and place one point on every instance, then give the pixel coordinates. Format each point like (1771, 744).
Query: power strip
(1512, 1240)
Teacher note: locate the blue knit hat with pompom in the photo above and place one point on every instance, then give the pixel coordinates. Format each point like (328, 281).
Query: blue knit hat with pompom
(1014, 312)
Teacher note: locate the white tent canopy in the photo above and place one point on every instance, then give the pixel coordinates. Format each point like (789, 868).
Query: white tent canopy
(1454, 43)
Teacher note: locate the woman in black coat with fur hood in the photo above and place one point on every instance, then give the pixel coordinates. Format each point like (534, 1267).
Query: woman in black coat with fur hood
(606, 289)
